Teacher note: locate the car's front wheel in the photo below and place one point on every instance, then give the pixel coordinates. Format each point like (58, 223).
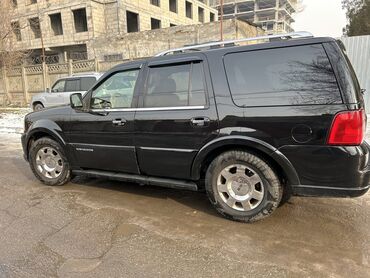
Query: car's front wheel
(38, 107)
(48, 162)
(242, 186)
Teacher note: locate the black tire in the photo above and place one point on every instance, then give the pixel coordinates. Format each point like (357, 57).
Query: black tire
(38, 106)
(64, 175)
(272, 188)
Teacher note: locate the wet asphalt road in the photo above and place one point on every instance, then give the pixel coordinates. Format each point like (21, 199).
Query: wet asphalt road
(99, 228)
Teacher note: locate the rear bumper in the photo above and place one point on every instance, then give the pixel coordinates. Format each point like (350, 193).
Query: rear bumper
(330, 171)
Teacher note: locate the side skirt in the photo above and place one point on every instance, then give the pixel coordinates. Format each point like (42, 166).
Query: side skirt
(169, 183)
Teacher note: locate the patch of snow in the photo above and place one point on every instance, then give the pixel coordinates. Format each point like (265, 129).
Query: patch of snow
(12, 121)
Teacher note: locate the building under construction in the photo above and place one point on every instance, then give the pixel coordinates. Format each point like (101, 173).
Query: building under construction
(63, 28)
(274, 16)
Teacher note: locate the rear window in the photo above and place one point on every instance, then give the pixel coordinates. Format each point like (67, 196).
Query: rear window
(87, 83)
(297, 75)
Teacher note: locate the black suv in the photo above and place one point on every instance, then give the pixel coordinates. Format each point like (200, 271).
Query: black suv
(252, 125)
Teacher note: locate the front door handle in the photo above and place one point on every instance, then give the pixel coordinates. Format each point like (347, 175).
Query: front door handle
(119, 122)
(200, 121)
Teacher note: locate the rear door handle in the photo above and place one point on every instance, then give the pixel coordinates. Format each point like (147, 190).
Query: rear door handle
(200, 121)
(119, 122)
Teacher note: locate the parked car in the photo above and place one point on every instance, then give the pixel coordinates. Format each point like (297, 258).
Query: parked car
(251, 125)
(62, 89)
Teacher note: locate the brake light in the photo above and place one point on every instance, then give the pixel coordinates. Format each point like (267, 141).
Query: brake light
(348, 128)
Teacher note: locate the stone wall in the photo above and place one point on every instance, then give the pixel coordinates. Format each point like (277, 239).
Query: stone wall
(148, 43)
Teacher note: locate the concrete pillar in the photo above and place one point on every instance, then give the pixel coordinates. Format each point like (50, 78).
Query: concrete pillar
(70, 67)
(6, 84)
(25, 85)
(44, 75)
(255, 11)
(277, 5)
(96, 65)
(65, 56)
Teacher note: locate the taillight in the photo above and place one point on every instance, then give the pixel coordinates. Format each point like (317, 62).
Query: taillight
(348, 128)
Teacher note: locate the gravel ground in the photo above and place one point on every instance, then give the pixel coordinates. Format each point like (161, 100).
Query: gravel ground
(99, 228)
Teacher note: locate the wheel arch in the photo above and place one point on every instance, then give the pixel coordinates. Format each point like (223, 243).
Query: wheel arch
(269, 153)
(44, 128)
(37, 102)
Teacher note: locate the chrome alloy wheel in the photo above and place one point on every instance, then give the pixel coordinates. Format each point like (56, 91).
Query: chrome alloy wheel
(49, 163)
(240, 187)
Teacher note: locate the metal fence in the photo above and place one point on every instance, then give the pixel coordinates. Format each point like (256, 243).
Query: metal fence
(358, 51)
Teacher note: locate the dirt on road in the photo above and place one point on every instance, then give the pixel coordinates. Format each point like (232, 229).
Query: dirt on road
(100, 228)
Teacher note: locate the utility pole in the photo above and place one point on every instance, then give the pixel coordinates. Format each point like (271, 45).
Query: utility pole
(222, 20)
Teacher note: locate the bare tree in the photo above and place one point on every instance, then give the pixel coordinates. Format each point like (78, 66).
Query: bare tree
(9, 30)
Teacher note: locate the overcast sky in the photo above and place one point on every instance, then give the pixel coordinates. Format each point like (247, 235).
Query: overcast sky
(321, 17)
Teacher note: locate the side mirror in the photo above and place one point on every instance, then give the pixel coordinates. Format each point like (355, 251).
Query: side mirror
(76, 101)
(48, 90)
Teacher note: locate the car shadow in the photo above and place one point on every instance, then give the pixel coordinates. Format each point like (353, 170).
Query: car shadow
(196, 200)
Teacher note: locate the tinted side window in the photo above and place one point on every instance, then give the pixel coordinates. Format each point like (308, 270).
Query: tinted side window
(175, 85)
(73, 85)
(87, 83)
(285, 76)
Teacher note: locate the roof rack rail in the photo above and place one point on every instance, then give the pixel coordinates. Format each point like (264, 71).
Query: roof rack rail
(197, 47)
(85, 73)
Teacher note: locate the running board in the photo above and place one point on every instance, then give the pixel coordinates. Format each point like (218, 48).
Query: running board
(169, 183)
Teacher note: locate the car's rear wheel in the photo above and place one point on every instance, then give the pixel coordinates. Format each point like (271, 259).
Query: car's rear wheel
(242, 186)
(48, 162)
(38, 107)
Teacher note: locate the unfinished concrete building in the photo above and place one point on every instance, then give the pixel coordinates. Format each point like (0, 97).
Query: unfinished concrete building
(64, 27)
(274, 16)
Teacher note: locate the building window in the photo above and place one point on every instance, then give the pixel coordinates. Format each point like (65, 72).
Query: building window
(200, 14)
(172, 25)
(80, 20)
(35, 27)
(173, 6)
(155, 23)
(32, 2)
(17, 30)
(155, 2)
(15, 3)
(211, 17)
(132, 22)
(189, 9)
(56, 24)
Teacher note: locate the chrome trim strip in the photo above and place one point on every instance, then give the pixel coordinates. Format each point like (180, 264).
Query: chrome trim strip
(79, 145)
(168, 149)
(149, 109)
